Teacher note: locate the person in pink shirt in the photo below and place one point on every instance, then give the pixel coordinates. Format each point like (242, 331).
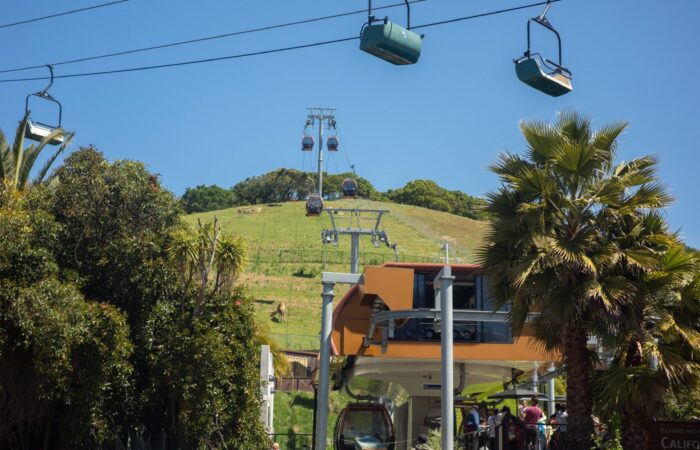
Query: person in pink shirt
(530, 416)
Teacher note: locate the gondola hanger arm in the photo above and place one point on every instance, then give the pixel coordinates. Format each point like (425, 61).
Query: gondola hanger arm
(45, 92)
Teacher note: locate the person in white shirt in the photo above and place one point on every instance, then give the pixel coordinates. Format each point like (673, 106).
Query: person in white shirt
(493, 422)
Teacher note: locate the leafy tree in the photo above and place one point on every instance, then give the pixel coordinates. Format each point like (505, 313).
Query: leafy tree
(428, 194)
(332, 186)
(17, 162)
(195, 354)
(206, 198)
(656, 342)
(552, 247)
(65, 368)
(281, 185)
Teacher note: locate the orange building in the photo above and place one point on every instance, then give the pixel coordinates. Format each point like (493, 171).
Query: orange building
(386, 344)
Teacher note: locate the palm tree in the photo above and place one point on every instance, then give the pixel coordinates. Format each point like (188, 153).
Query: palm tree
(17, 162)
(552, 248)
(656, 348)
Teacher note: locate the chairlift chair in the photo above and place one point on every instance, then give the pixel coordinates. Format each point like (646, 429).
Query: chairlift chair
(539, 72)
(314, 205)
(37, 131)
(389, 41)
(364, 426)
(349, 188)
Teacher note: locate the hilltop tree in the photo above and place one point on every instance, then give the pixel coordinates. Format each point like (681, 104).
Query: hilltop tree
(428, 194)
(552, 247)
(206, 198)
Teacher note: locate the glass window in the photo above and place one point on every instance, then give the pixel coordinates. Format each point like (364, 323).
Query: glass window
(468, 292)
(360, 428)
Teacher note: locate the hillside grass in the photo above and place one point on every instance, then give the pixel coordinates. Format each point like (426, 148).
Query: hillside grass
(286, 256)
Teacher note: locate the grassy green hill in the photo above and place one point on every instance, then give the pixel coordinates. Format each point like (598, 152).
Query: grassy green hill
(286, 256)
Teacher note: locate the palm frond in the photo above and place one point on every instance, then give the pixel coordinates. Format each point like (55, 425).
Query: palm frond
(41, 175)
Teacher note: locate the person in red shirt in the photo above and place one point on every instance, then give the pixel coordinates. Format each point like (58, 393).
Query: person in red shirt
(531, 415)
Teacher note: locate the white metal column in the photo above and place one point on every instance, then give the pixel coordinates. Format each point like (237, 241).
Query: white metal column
(324, 369)
(329, 279)
(550, 392)
(444, 280)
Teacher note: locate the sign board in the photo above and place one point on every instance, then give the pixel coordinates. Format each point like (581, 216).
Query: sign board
(673, 436)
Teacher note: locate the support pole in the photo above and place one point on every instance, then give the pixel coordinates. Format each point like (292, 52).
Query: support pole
(536, 378)
(320, 157)
(447, 344)
(354, 253)
(550, 392)
(324, 366)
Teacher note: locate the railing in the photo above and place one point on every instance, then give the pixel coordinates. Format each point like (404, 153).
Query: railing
(260, 255)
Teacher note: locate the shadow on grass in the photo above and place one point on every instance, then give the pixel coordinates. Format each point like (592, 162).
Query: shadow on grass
(304, 402)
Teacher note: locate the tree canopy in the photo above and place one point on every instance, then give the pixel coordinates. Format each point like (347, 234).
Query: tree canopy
(100, 335)
(284, 185)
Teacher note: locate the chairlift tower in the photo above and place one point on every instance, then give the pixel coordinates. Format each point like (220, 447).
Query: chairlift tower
(377, 236)
(320, 117)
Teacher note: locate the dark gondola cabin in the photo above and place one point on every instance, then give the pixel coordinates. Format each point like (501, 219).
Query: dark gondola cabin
(307, 143)
(364, 426)
(332, 144)
(349, 188)
(314, 205)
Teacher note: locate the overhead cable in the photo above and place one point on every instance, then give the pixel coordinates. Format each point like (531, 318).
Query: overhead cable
(65, 13)
(486, 14)
(205, 38)
(262, 52)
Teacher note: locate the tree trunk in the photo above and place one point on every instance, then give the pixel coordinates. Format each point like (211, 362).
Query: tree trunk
(633, 426)
(578, 390)
(635, 421)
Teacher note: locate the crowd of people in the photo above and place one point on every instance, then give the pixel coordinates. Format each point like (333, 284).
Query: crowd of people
(528, 429)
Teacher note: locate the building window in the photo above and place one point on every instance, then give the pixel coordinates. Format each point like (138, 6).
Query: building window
(468, 292)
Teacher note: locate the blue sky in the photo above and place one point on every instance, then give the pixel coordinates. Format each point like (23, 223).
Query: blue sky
(446, 118)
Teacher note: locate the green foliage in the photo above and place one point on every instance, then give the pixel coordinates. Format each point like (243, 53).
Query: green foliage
(203, 368)
(206, 198)
(570, 231)
(332, 186)
(281, 185)
(115, 221)
(195, 354)
(429, 194)
(65, 369)
(683, 404)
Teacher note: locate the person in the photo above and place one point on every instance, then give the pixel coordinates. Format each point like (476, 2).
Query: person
(562, 417)
(521, 407)
(531, 416)
(422, 443)
(509, 430)
(275, 446)
(472, 428)
(493, 422)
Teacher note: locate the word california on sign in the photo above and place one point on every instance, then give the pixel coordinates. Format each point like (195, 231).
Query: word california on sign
(673, 436)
